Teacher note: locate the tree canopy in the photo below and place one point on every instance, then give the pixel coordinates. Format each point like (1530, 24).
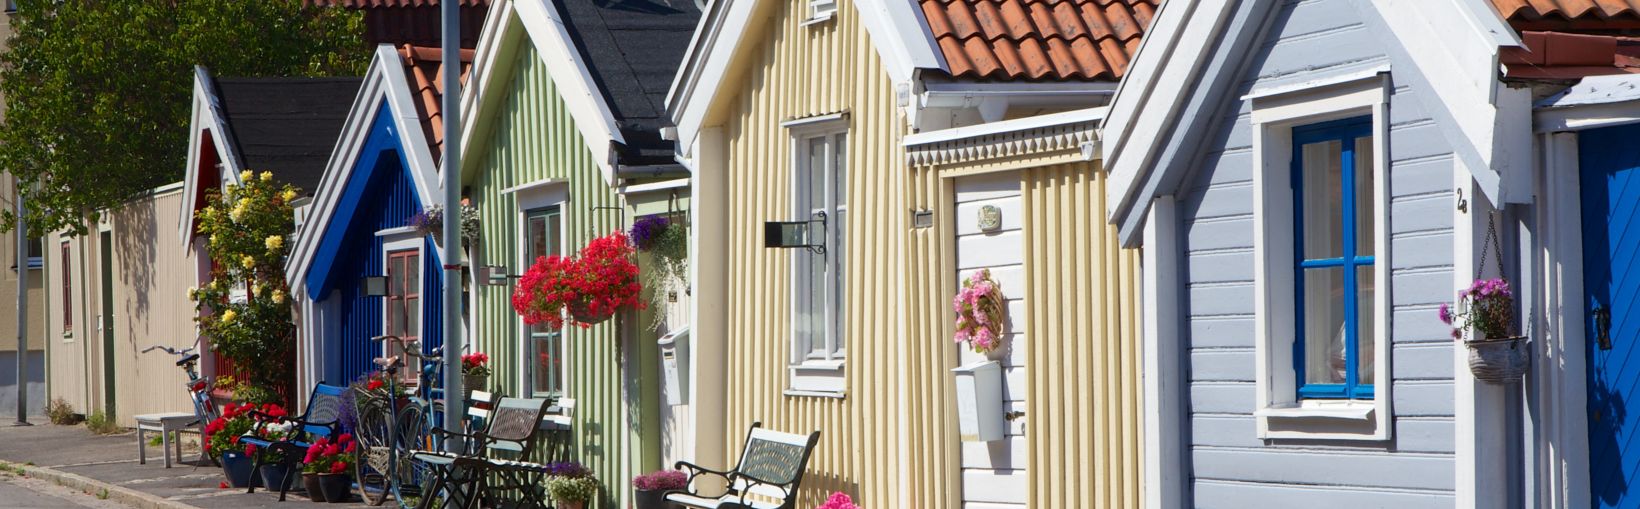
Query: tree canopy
(98, 92)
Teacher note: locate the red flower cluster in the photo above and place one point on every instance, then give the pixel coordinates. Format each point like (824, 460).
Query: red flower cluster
(474, 360)
(598, 282)
(374, 384)
(328, 456)
(222, 434)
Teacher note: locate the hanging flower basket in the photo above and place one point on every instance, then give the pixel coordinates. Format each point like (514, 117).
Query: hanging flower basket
(979, 308)
(590, 288)
(1482, 321)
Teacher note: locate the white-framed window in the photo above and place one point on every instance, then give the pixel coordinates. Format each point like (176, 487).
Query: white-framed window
(819, 321)
(1320, 241)
(821, 11)
(542, 210)
(402, 253)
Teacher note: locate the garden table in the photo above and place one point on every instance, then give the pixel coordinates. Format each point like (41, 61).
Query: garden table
(166, 424)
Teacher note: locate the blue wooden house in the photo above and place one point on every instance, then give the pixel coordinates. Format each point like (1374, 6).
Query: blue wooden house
(382, 172)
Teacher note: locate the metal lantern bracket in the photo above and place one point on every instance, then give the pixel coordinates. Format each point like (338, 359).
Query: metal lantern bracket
(796, 234)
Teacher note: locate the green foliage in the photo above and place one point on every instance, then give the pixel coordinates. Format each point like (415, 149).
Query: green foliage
(244, 310)
(667, 270)
(572, 489)
(98, 94)
(60, 413)
(102, 424)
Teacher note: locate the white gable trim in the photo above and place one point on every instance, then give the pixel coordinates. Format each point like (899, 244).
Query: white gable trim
(207, 114)
(896, 28)
(384, 80)
(544, 27)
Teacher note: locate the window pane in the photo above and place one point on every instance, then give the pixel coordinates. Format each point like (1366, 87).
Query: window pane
(548, 362)
(1365, 312)
(412, 317)
(838, 252)
(1323, 204)
(412, 274)
(815, 198)
(812, 307)
(1365, 208)
(1324, 326)
(536, 229)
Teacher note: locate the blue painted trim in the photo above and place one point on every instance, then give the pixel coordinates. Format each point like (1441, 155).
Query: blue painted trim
(1344, 131)
(382, 140)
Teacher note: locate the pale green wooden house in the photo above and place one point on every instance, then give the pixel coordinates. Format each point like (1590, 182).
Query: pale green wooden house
(564, 117)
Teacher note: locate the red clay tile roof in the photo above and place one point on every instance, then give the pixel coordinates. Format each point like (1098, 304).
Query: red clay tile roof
(422, 66)
(1017, 40)
(1561, 55)
(1570, 14)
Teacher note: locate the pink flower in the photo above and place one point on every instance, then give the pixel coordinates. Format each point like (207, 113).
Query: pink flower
(1446, 313)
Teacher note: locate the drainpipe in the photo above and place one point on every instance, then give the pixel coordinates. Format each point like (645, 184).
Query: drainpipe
(450, 251)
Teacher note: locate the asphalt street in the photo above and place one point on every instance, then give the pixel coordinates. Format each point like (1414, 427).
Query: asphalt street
(26, 493)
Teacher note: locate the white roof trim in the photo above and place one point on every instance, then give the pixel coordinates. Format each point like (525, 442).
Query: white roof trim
(663, 185)
(207, 114)
(1072, 130)
(896, 28)
(544, 28)
(384, 80)
(1007, 126)
(1369, 73)
(1595, 101)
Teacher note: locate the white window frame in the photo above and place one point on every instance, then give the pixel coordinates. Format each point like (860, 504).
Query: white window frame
(528, 197)
(822, 377)
(405, 239)
(1281, 414)
(819, 11)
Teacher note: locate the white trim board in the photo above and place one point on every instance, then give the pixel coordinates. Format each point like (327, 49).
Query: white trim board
(207, 116)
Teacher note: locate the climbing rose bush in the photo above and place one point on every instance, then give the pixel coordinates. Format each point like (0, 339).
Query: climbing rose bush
(595, 284)
(979, 308)
(245, 309)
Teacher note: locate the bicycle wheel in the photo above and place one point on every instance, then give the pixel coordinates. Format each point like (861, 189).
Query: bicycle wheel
(374, 469)
(409, 473)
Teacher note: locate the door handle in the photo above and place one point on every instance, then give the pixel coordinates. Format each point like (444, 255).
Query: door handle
(1603, 327)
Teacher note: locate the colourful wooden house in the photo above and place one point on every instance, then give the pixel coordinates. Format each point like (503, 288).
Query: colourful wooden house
(381, 173)
(565, 112)
(917, 143)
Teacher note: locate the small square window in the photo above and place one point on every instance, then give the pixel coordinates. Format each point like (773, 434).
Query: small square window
(821, 10)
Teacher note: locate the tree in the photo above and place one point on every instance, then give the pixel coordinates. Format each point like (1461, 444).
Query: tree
(97, 92)
(244, 310)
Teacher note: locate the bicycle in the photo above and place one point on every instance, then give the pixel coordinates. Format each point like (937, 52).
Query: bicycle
(388, 429)
(199, 387)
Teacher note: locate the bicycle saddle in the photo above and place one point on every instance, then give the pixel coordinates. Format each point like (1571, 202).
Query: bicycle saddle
(189, 359)
(389, 362)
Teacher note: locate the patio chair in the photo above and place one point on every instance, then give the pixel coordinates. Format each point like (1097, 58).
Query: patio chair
(770, 468)
(510, 427)
(321, 419)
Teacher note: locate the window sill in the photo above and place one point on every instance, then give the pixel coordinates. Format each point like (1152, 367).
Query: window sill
(819, 19)
(817, 378)
(799, 393)
(1354, 420)
(1355, 410)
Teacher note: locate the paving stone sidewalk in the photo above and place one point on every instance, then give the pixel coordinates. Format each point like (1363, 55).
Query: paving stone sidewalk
(74, 457)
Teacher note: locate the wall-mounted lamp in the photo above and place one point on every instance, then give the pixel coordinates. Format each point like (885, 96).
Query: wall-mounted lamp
(922, 218)
(494, 275)
(374, 286)
(796, 234)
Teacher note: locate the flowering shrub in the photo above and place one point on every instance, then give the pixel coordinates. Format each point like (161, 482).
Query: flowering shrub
(1488, 306)
(331, 457)
(838, 500)
(661, 480)
(666, 271)
(244, 308)
(979, 308)
(593, 286)
(237, 420)
(475, 364)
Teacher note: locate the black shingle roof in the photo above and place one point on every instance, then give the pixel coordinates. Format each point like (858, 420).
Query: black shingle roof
(287, 125)
(633, 48)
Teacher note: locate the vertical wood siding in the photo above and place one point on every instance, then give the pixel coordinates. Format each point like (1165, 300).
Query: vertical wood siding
(1231, 467)
(535, 138)
(1082, 403)
(800, 71)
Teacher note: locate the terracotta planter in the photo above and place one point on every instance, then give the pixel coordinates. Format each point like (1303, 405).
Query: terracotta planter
(236, 466)
(338, 488)
(1498, 361)
(314, 491)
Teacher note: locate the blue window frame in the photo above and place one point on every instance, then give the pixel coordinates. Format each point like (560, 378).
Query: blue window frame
(1334, 210)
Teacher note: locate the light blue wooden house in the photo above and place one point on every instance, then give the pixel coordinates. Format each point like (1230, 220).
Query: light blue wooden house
(1310, 180)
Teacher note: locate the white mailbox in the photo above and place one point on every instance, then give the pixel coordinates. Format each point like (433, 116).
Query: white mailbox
(979, 402)
(675, 364)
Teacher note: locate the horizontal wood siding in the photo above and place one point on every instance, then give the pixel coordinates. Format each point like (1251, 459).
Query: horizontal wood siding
(796, 71)
(1313, 39)
(533, 138)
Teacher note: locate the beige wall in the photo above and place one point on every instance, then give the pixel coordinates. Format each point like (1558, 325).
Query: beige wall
(150, 279)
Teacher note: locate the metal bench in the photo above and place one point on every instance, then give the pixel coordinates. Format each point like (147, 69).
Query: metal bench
(767, 476)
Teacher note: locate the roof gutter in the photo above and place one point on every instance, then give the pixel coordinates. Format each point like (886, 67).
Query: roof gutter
(968, 95)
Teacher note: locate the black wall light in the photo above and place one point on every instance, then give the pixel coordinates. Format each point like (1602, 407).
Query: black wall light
(374, 286)
(796, 234)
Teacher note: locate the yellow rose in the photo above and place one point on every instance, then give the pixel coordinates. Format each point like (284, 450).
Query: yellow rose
(289, 195)
(193, 293)
(228, 316)
(267, 176)
(236, 213)
(246, 175)
(278, 297)
(274, 242)
(247, 261)
(256, 290)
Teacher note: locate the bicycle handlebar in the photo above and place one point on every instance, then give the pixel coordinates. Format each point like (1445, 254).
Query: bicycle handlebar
(169, 350)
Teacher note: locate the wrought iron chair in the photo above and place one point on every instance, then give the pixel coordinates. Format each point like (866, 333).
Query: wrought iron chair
(770, 468)
(321, 419)
(462, 480)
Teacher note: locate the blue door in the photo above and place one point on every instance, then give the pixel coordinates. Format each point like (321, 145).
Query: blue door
(1610, 179)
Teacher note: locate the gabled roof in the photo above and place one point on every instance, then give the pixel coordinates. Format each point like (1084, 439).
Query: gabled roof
(287, 126)
(632, 49)
(387, 90)
(1058, 40)
(424, 69)
(896, 27)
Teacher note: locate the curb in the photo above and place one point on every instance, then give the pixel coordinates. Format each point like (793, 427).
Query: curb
(97, 488)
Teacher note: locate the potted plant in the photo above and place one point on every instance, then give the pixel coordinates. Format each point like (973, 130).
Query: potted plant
(979, 307)
(475, 371)
(431, 222)
(326, 467)
(838, 500)
(570, 485)
(591, 287)
(651, 488)
(666, 271)
(1483, 321)
(222, 441)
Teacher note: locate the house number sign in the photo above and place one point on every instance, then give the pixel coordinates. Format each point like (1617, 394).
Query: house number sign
(990, 218)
